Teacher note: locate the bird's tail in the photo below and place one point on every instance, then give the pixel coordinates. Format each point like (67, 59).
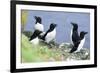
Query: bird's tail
(73, 49)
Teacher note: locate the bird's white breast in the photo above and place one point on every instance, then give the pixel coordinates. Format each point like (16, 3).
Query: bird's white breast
(80, 45)
(35, 41)
(39, 27)
(50, 36)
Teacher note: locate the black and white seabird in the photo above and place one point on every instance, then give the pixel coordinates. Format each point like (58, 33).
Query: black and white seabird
(34, 39)
(74, 33)
(50, 34)
(79, 43)
(38, 29)
(38, 24)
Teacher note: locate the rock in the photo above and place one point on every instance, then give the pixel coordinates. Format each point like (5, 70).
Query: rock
(27, 33)
(84, 54)
(66, 47)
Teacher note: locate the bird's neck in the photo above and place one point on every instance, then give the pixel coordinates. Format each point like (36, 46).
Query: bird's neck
(51, 29)
(74, 29)
(81, 37)
(38, 22)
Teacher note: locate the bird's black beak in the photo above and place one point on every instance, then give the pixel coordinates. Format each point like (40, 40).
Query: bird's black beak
(55, 25)
(35, 17)
(72, 24)
(86, 32)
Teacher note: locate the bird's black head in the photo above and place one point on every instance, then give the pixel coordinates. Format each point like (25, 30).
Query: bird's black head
(52, 25)
(75, 26)
(82, 34)
(38, 20)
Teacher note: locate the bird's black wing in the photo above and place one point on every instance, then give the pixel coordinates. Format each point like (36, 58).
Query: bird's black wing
(35, 34)
(75, 37)
(74, 48)
(43, 37)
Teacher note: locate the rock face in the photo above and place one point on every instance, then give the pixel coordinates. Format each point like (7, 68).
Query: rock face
(84, 54)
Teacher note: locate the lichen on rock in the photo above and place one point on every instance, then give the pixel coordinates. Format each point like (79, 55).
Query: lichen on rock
(84, 54)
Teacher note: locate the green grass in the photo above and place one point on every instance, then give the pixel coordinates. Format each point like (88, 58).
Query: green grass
(38, 53)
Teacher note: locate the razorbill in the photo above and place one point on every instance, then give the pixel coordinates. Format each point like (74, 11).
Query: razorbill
(38, 24)
(50, 34)
(74, 33)
(79, 43)
(34, 39)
